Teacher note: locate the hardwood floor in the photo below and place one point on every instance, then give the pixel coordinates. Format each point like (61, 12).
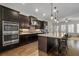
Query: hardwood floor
(31, 49)
(73, 48)
(26, 50)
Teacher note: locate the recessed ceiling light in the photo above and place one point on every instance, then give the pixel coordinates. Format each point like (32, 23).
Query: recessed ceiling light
(36, 10)
(44, 14)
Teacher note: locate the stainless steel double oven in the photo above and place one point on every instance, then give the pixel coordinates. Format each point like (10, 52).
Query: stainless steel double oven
(10, 33)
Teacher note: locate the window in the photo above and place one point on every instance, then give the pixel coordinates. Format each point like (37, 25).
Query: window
(71, 28)
(56, 28)
(63, 28)
(77, 28)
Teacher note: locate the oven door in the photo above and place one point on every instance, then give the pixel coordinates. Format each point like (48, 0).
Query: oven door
(10, 39)
(10, 28)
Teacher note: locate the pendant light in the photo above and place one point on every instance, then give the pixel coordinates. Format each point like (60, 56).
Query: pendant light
(52, 11)
(55, 9)
(56, 15)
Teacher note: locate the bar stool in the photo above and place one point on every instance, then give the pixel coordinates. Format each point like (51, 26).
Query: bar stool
(63, 46)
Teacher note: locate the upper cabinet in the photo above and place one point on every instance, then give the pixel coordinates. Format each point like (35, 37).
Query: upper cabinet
(24, 22)
(9, 14)
(0, 13)
(34, 20)
(37, 23)
(44, 24)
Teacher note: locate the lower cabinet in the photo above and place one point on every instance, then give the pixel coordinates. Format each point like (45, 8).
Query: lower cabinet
(45, 44)
(5, 48)
(23, 39)
(28, 38)
(42, 43)
(42, 46)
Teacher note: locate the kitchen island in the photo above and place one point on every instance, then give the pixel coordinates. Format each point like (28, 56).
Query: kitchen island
(48, 41)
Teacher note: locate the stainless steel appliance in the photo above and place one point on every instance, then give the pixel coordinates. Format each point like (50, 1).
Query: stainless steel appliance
(10, 33)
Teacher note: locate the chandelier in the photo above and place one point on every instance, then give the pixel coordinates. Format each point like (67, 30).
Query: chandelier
(54, 17)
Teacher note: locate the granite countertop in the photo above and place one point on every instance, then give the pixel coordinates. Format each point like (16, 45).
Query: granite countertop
(51, 35)
(26, 33)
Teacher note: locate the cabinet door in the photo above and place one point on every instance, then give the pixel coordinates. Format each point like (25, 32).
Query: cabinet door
(21, 21)
(24, 22)
(42, 43)
(0, 28)
(9, 14)
(27, 22)
(0, 13)
(42, 25)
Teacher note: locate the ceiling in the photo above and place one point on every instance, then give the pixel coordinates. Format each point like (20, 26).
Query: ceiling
(65, 9)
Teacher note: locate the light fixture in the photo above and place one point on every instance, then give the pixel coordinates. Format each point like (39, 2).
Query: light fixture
(55, 19)
(44, 14)
(52, 11)
(36, 10)
(52, 17)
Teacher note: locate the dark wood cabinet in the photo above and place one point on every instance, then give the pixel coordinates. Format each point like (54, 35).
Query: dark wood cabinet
(28, 38)
(24, 22)
(45, 44)
(0, 23)
(42, 25)
(37, 23)
(42, 43)
(34, 20)
(9, 14)
(0, 12)
(52, 45)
